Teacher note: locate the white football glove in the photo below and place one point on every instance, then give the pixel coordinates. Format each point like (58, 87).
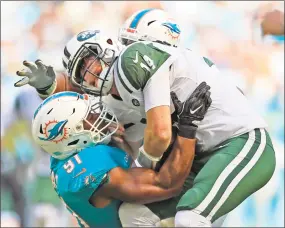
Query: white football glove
(37, 75)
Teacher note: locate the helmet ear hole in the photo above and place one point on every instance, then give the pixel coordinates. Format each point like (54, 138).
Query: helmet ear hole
(109, 41)
(41, 129)
(149, 23)
(73, 142)
(49, 111)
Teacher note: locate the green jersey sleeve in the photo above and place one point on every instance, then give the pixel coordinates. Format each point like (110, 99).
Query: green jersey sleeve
(139, 62)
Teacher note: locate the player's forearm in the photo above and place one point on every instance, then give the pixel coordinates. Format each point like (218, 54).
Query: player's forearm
(156, 143)
(142, 185)
(63, 83)
(177, 167)
(137, 185)
(150, 186)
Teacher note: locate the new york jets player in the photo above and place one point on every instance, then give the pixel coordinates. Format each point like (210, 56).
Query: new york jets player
(235, 149)
(90, 178)
(149, 24)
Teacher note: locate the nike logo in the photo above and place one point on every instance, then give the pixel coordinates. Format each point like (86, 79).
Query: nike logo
(81, 172)
(137, 58)
(195, 110)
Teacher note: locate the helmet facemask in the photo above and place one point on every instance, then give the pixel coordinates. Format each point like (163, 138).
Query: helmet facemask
(103, 58)
(102, 119)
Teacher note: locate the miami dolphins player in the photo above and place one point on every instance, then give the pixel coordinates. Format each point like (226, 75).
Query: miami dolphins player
(234, 146)
(150, 25)
(92, 178)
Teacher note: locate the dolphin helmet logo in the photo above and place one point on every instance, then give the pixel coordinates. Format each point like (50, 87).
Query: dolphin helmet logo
(173, 29)
(55, 131)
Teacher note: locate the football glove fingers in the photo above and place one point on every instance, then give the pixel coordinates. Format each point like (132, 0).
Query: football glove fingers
(22, 82)
(40, 65)
(176, 102)
(193, 110)
(37, 75)
(32, 66)
(196, 106)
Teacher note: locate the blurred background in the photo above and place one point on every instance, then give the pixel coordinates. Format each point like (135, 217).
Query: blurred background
(245, 40)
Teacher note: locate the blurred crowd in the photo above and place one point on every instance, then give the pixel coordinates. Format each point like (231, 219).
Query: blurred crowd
(245, 40)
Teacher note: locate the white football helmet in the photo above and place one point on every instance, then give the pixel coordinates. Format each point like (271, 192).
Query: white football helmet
(91, 43)
(150, 25)
(63, 123)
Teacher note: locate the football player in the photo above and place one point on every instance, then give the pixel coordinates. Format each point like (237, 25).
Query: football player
(92, 178)
(234, 147)
(150, 25)
(230, 117)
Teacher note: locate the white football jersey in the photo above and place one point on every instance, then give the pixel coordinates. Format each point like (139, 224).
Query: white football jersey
(146, 73)
(132, 120)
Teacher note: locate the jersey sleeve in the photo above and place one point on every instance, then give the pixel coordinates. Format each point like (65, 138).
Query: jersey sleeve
(157, 90)
(86, 184)
(91, 170)
(139, 62)
(146, 68)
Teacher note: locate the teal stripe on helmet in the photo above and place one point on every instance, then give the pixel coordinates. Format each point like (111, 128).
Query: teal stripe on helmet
(138, 17)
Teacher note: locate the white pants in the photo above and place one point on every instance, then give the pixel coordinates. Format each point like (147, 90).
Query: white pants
(50, 215)
(137, 215)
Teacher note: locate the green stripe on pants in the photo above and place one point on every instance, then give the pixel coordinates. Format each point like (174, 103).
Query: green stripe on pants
(214, 192)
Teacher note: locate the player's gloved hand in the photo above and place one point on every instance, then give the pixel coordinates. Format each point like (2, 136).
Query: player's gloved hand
(193, 110)
(118, 136)
(37, 75)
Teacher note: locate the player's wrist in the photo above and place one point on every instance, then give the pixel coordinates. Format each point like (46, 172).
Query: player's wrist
(145, 160)
(186, 120)
(150, 157)
(47, 91)
(187, 131)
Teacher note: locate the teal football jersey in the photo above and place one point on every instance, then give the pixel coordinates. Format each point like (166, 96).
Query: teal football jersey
(76, 178)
